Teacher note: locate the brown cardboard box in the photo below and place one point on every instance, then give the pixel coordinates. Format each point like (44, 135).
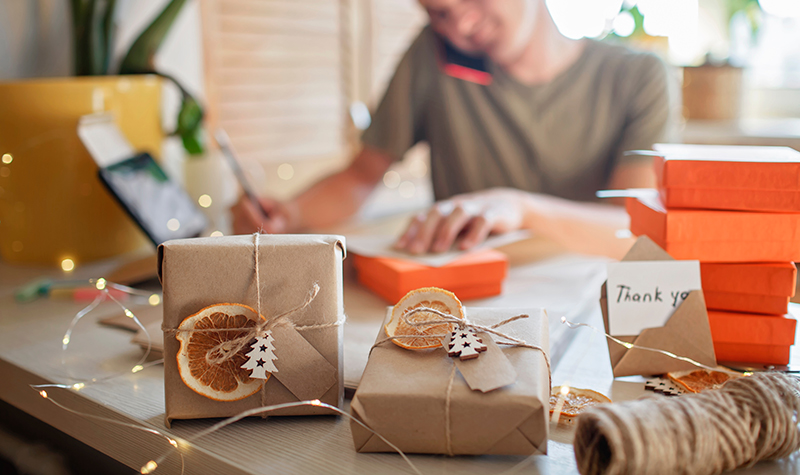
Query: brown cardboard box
(403, 396)
(197, 273)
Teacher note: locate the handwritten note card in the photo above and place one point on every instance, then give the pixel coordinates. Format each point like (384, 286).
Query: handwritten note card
(644, 294)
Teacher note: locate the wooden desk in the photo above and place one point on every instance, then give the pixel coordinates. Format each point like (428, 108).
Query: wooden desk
(30, 353)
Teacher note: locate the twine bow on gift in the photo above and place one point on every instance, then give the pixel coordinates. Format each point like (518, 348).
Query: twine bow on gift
(462, 324)
(225, 350)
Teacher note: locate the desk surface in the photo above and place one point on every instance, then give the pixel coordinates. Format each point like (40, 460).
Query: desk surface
(30, 353)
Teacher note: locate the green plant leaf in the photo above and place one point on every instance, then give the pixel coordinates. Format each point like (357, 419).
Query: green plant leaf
(190, 115)
(140, 57)
(193, 142)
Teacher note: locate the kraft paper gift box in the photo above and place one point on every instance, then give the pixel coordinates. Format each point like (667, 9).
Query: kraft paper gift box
(475, 275)
(403, 396)
(717, 236)
(687, 332)
(763, 287)
(728, 177)
(200, 272)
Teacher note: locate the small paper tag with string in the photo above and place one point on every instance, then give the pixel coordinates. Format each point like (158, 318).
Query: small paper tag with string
(490, 371)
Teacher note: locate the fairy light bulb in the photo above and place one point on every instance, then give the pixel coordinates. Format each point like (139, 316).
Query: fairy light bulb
(173, 443)
(205, 201)
(316, 402)
(65, 340)
(100, 284)
(154, 300)
(137, 368)
(285, 171)
(564, 389)
(78, 386)
(149, 467)
(67, 265)
(7, 158)
(43, 393)
(128, 313)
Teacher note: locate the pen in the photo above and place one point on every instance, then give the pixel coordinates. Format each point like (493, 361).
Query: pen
(225, 145)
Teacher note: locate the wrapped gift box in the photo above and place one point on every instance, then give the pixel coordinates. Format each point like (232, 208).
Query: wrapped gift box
(201, 272)
(729, 177)
(764, 287)
(403, 396)
(717, 236)
(476, 275)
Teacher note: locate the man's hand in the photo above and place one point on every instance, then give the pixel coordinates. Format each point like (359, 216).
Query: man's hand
(464, 219)
(249, 218)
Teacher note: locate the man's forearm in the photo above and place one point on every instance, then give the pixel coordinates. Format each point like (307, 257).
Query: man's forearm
(589, 228)
(339, 196)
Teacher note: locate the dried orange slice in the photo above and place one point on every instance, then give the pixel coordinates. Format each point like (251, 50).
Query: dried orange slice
(700, 380)
(226, 381)
(576, 401)
(429, 297)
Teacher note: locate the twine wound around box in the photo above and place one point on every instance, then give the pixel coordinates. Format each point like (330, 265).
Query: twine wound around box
(225, 350)
(442, 317)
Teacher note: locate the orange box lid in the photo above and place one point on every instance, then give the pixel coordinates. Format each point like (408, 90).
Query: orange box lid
(734, 327)
(727, 167)
(476, 274)
(467, 292)
(717, 236)
(765, 354)
(748, 303)
(761, 278)
(728, 177)
(477, 267)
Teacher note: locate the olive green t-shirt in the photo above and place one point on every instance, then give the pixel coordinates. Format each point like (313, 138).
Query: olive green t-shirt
(563, 138)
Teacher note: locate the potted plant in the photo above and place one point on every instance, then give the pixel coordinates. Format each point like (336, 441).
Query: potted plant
(52, 206)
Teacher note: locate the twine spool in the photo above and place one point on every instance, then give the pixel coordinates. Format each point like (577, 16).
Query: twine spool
(747, 420)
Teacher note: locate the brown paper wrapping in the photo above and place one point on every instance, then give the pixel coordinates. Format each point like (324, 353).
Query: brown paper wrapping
(402, 396)
(687, 332)
(196, 273)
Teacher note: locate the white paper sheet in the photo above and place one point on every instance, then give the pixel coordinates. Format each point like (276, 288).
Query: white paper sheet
(381, 246)
(644, 294)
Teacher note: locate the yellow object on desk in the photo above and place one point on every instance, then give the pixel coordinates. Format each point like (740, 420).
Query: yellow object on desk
(52, 206)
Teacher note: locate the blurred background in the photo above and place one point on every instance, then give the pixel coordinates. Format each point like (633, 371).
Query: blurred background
(292, 80)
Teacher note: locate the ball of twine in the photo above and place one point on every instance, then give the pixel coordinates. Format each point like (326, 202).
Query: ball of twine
(747, 420)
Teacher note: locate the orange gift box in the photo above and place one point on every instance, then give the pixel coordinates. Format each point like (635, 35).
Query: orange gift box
(728, 177)
(476, 275)
(769, 304)
(717, 236)
(739, 352)
(763, 287)
(751, 329)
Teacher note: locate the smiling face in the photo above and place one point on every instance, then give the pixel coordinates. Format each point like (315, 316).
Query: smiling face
(499, 29)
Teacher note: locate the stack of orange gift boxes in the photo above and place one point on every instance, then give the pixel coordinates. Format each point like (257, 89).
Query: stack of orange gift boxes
(735, 209)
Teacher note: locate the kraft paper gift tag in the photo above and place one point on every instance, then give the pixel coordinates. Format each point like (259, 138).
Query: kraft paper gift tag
(687, 332)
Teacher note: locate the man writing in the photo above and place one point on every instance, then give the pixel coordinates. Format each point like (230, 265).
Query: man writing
(527, 151)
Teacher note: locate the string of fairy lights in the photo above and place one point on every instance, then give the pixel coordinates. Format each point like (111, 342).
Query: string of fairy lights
(176, 445)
